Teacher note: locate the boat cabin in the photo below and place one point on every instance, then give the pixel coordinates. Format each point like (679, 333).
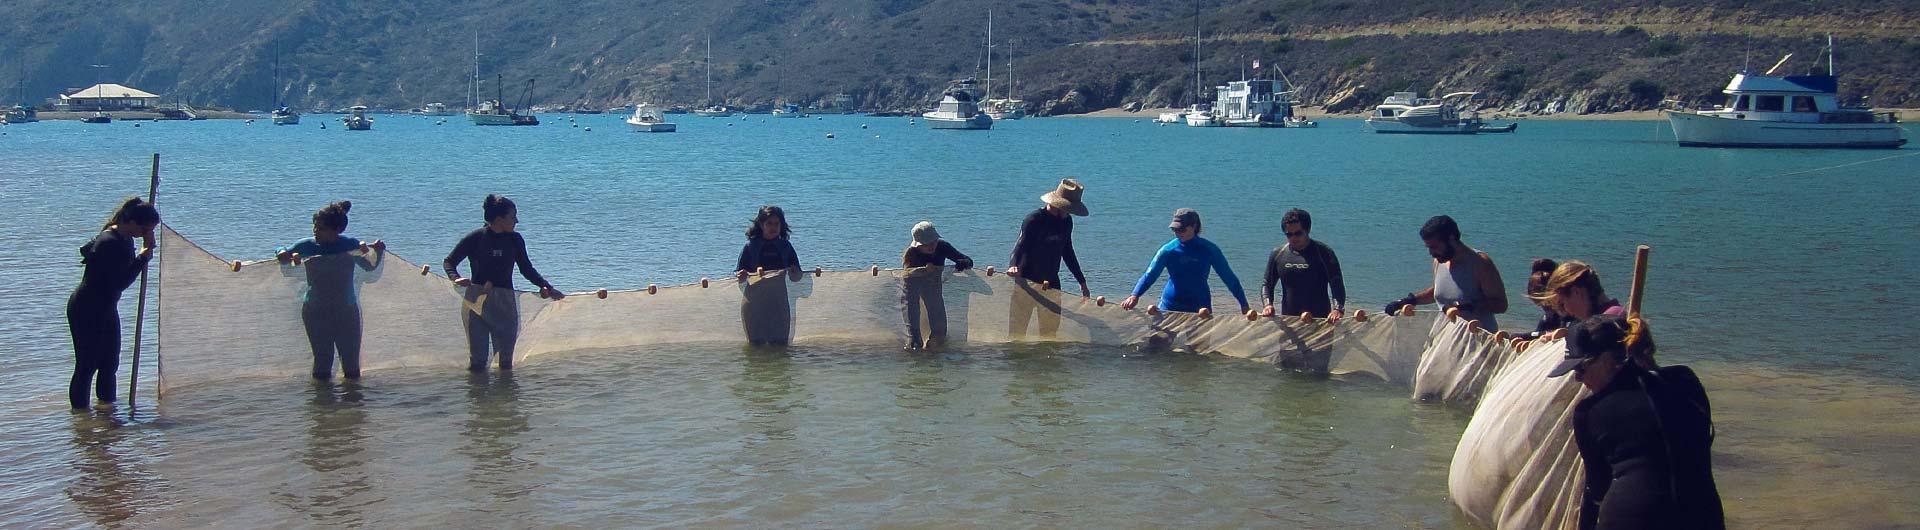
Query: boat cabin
(1800, 98)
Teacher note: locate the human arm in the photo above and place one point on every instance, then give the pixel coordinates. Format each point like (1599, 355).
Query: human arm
(1493, 298)
(372, 254)
(1020, 245)
(1221, 267)
(1336, 283)
(451, 265)
(960, 261)
(527, 271)
(1266, 285)
(1073, 265)
(1423, 296)
(1146, 280)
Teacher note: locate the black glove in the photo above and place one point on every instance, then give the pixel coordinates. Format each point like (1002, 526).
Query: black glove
(1395, 307)
(962, 265)
(1464, 307)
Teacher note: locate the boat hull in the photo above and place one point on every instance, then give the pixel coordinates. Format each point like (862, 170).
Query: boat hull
(503, 119)
(1697, 130)
(287, 120)
(712, 113)
(1392, 126)
(652, 127)
(1202, 120)
(979, 122)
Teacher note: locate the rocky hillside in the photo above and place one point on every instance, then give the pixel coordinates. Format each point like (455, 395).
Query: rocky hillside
(1563, 55)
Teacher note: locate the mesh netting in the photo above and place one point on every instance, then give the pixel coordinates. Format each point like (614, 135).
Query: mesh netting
(1515, 467)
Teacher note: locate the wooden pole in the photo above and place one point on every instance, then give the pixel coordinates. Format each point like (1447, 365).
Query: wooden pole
(140, 313)
(1639, 289)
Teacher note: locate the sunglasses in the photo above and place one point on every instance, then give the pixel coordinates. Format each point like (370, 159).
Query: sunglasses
(1296, 233)
(1177, 229)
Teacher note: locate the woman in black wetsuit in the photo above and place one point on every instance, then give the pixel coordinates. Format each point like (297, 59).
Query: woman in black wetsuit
(765, 313)
(492, 315)
(1645, 435)
(93, 312)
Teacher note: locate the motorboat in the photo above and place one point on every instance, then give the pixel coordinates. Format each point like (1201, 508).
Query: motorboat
(1252, 103)
(357, 119)
(435, 109)
(1005, 109)
(1408, 113)
(22, 114)
(285, 116)
(1298, 122)
(1201, 115)
(959, 109)
(98, 117)
(789, 110)
(647, 118)
(495, 112)
(1785, 111)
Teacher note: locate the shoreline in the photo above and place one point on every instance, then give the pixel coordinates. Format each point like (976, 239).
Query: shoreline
(135, 115)
(1317, 113)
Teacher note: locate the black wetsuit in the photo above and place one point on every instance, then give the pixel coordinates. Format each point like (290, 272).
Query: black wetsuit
(1305, 277)
(496, 325)
(765, 312)
(1045, 241)
(924, 288)
(1647, 460)
(93, 314)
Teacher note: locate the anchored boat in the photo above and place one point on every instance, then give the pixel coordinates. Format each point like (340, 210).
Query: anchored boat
(357, 119)
(1408, 113)
(647, 118)
(959, 109)
(1789, 111)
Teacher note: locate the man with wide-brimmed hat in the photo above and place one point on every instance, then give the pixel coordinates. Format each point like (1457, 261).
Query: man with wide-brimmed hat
(1046, 240)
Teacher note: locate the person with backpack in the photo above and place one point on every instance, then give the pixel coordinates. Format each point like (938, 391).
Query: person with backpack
(1645, 434)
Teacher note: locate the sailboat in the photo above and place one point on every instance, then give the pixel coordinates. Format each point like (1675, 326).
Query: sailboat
(22, 112)
(1201, 113)
(1007, 108)
(711, 110)
(495, 111)
(281, 114)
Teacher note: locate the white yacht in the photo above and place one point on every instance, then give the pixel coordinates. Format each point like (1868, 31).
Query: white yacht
(357, 119)
(647, 118)
(1790, 111)
(1171, 117)
(435, 109)
(1201, 115)
(789, 110)
(1252, 103)
(959, 109)
(1408, 113)
(285, 116)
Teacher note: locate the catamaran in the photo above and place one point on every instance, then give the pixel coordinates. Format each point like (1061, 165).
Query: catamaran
(1790, 111)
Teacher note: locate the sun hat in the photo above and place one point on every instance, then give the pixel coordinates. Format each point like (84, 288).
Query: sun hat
(924, 234)
(1067, 197)
(1184, 217)
(1590, 339)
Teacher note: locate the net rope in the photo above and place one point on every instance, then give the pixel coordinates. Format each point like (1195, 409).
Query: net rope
(1515, 466)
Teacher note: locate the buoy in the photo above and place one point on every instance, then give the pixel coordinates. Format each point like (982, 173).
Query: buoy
(1153, 310)
(1099, 301)
(873, 270)
(236, 265)
(703, 283)
(729, 125)
(1360, 316)
(829, 136)
(137, 125)
(423, 270)
(653, 289)
(1045, 285)
(989, 270)
(1407, 311)
(863, 125)
(1453, 313)
(602, 294)
(1306, 318)
(1204, 312)
(817, 272)
(589, 129)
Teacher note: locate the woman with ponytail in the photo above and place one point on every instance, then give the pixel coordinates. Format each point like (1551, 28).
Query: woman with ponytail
(93, 311)
(492, 317)
(1645, 435)
(330, 308)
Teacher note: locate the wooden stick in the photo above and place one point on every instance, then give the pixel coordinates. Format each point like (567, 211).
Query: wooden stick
(140, 313)
(1639, 288)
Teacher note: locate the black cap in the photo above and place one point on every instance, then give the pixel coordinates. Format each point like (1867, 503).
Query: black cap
(1589, 339)
(1183, 218)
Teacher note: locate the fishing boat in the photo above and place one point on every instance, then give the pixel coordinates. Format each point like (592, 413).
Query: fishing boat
(98, 117)
(496, 112)
(357, 119)
(647, 118)
(1408, 113)
(959, 109)
(21, 114)
(1786, 111)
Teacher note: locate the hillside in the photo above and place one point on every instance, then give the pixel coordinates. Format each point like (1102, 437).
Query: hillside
(1070, 57)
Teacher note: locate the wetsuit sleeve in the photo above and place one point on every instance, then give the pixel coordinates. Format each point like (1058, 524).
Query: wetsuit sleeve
(1020, 243)
(526, 264)
(1153, 273)
(1336, 282)
(793, 258)
(134, 266)
(1273, 275)
(1226, 274)
(1073, 262)
(960, 261)
(461, 250)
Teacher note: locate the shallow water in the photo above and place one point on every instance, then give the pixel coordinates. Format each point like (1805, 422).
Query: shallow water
(1785, 276)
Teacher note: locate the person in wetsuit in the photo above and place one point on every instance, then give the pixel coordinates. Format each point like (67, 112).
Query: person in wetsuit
(1644, 435)
(492, 315)
(765, 312)
(93, 311)
(1307, 271)
(1187, 260)
(1463, 278)
(1046, 241)
(922, 282)
(330, 308)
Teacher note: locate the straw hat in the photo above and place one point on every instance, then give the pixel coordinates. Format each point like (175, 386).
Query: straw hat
(924, 234)
(1067, 197)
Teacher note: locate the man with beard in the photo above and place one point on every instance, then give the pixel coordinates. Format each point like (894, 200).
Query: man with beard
(1463, 278)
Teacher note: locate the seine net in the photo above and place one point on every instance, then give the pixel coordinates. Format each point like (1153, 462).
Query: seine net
(1514, 468)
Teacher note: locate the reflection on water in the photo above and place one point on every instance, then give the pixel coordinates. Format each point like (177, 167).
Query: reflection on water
(336, 452)
(490, 438)
(111, 484)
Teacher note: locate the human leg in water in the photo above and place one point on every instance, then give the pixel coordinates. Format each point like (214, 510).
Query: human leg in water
(936, 303)
(96, 353)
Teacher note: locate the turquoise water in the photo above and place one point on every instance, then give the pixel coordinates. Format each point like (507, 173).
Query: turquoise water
(1767, 265)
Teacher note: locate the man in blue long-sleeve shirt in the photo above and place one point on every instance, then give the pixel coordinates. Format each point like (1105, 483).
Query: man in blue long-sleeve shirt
(1187, 259)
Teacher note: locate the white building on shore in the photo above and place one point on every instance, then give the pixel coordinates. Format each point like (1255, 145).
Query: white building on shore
(108, 96)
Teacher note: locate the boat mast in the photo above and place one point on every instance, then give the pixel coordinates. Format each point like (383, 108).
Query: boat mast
(989, 81)
(276, 75)
(473, 85)
(1196, 53)
(709, 70)
(1829, 54)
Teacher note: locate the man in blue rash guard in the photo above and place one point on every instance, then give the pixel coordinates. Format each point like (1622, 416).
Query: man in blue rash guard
(1187, 259)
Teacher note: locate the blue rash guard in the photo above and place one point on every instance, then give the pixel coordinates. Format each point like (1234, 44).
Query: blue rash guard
(1186, 265)
(329, 281)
